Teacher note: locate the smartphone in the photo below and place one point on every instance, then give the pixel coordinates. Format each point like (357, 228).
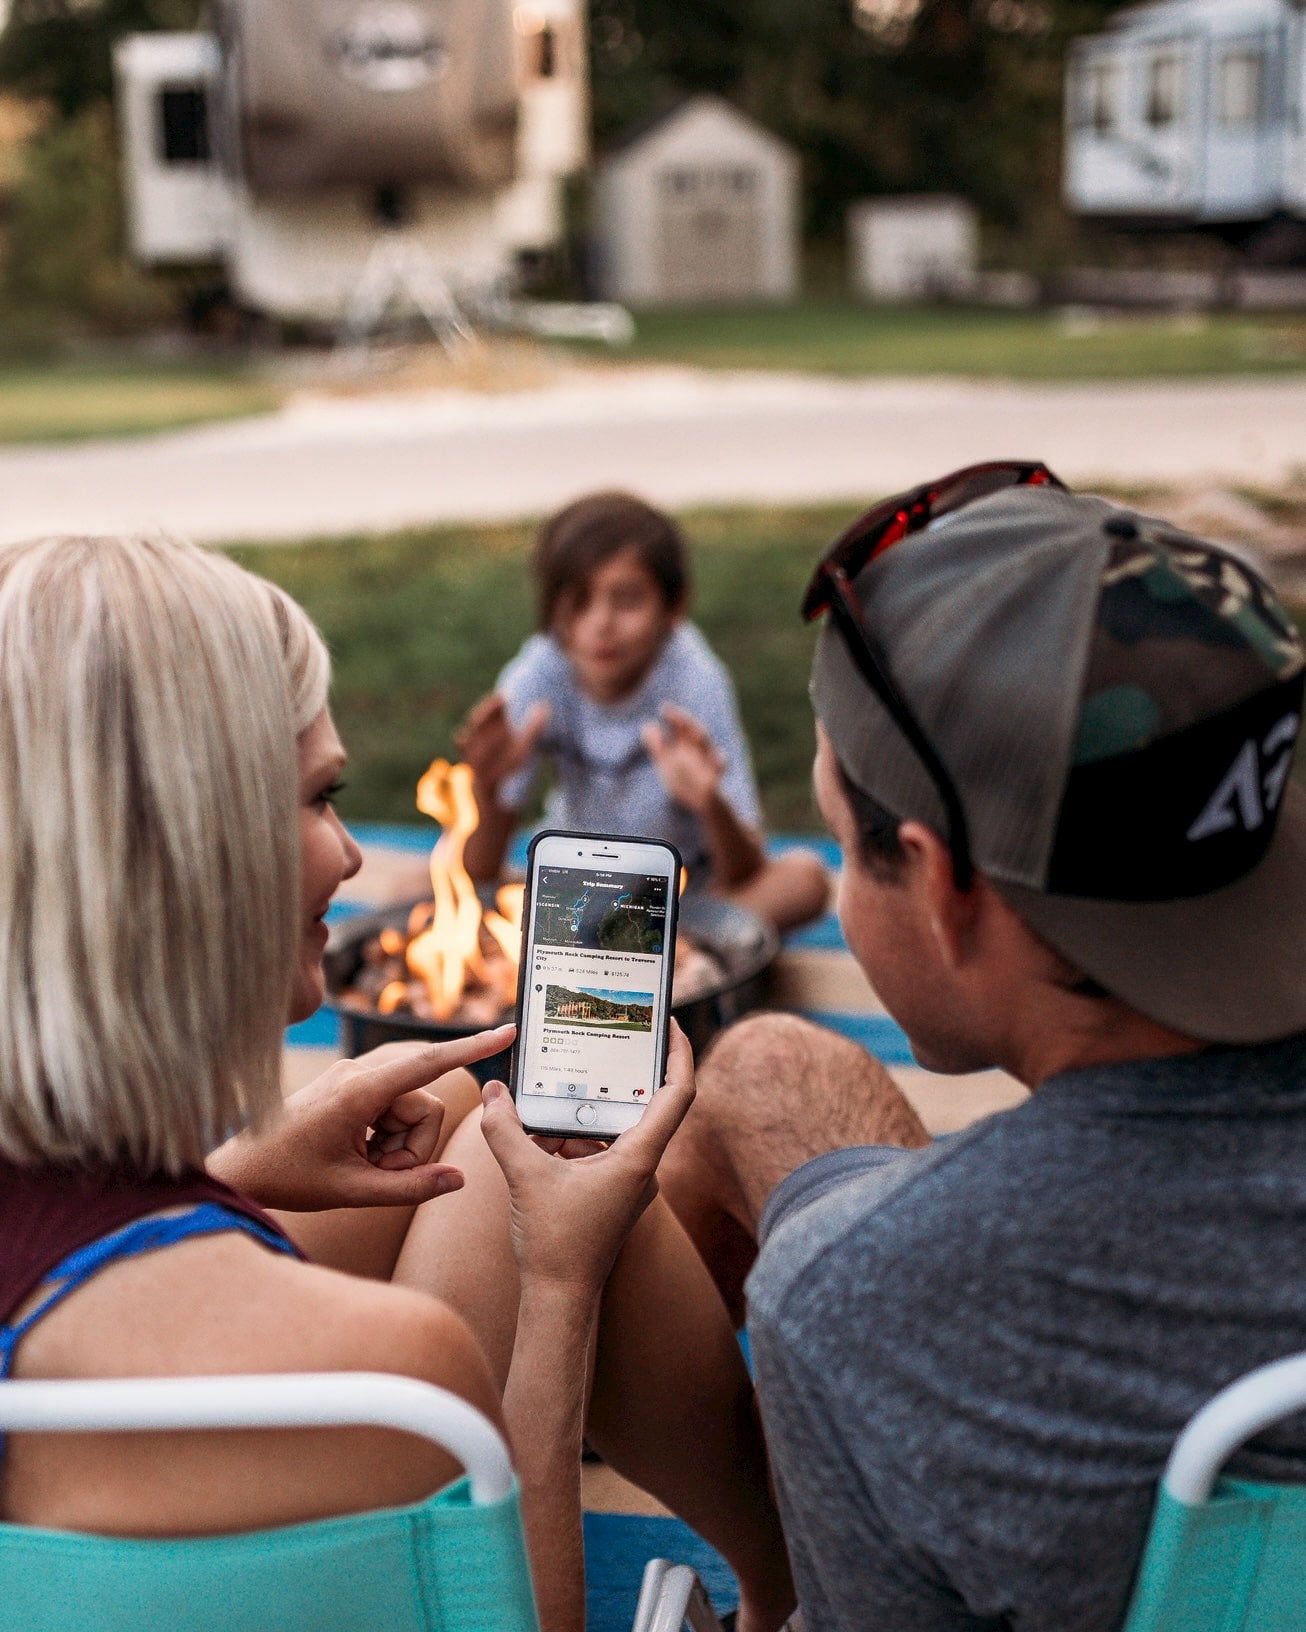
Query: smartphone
(594, 999)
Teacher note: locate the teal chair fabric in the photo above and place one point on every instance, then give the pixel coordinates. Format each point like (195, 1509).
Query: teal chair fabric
(1224, 1554)
(455, 1562)
(444, 1565)
(1235, 1563)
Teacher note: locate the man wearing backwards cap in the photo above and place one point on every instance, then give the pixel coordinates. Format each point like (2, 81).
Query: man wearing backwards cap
(1054, 743)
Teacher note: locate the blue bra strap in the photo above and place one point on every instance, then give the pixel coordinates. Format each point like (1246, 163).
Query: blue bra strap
(144, 1235)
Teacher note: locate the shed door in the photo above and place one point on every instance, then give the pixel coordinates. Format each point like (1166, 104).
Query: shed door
(710, 234)
(1244, 145)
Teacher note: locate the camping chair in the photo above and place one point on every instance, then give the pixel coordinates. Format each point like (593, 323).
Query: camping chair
(453, 1563)
(671, 1597)
(1226, 1555)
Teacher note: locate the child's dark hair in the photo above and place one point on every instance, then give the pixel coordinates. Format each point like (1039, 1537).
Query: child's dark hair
(579, 539)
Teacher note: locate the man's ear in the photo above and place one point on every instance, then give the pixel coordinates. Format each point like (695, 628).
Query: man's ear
(953, 914)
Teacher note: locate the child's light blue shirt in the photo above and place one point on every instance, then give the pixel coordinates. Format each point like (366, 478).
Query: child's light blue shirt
(605, 781)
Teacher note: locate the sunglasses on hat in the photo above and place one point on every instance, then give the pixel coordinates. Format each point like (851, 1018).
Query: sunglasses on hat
(831, 590)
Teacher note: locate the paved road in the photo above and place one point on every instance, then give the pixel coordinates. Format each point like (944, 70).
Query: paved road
(330, 466)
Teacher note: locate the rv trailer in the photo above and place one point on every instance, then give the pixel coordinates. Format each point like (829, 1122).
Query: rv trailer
(327, 152)
(1192, 114)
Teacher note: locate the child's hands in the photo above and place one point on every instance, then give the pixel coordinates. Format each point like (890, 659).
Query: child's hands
(688, 762)
(489, 744)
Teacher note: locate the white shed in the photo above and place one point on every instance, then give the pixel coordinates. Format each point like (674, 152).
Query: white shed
(913, 249)
(700, 208)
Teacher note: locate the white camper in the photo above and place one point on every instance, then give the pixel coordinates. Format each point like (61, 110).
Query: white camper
(322, 150)
(1193, 113)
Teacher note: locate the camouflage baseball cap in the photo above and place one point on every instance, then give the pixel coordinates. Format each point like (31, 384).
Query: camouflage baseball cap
(1118, 704)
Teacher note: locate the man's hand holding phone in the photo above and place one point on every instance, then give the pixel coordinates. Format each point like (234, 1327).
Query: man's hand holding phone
(574, 1201)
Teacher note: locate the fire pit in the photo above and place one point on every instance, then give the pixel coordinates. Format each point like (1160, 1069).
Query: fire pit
(447, 966)
(739, 946)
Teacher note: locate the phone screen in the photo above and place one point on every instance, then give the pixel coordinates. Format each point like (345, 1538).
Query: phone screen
(592, 1021)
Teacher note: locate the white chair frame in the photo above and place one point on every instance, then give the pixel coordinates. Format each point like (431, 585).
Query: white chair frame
(1225, 1422)
(339, 1399)
(671, 1595)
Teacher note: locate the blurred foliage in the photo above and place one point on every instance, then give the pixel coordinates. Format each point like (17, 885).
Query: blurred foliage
(64, 251)
(61, 50)
(878, 95)
(64, 265)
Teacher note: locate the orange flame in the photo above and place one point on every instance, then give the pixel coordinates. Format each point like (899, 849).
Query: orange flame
(392, 995)
(448, 950)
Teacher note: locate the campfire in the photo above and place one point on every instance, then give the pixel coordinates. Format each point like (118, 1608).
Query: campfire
(453, 963)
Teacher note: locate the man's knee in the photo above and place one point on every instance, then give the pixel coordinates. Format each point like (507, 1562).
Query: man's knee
(775, 1090)
(799, 1081)
(771, 1055)
(765, 1031)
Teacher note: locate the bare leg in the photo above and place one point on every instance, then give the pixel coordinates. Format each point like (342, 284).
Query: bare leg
(458, 1248)
(367, 1240)
(789, 890)
(773, 1092)
(671, 1404)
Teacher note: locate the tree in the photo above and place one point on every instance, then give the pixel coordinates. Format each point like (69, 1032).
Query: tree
(63, 256)
(877, 95)
(60, 50)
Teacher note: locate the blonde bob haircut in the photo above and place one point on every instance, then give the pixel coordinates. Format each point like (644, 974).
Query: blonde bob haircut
(151, 697)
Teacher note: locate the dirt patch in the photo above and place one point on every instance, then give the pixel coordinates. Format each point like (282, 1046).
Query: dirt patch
(491, 364)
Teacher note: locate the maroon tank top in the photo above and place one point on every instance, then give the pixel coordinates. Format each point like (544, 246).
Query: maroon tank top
(48, 1212)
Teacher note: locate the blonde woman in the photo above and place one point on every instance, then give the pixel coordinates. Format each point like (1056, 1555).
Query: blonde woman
(168, 850)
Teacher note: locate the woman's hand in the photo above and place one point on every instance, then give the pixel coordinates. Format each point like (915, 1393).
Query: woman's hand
(489, 744)
(573, 1201)
(363, 1134)
(688, 762)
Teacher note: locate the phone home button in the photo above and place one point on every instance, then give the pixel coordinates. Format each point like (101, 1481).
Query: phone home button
(586, 1115)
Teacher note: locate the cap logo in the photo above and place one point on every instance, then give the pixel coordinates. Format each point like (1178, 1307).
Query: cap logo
(1145, 825)
(1247, 793)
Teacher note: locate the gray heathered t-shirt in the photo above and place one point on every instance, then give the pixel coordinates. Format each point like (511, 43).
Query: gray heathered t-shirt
(973, 1360)
(605, 780)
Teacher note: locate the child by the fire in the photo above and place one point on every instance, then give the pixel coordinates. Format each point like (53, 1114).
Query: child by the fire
(635, 714)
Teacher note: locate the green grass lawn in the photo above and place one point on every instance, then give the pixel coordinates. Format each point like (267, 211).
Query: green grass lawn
(61, 402)
(840, 337)
(421, 622)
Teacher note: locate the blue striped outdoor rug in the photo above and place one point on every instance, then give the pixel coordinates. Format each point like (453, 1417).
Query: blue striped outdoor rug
(617, 1547)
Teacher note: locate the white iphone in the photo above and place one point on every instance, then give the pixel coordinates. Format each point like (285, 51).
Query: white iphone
(594, 1001)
